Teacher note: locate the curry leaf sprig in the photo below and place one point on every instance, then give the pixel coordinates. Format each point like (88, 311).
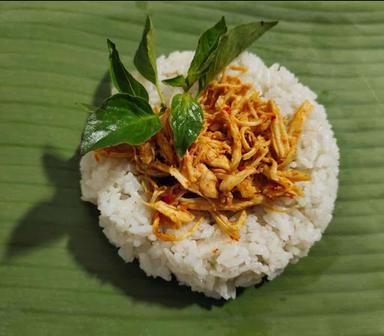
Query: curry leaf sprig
(128, 118)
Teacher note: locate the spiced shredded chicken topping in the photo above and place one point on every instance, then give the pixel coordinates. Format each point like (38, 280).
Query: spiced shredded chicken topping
(240, 160)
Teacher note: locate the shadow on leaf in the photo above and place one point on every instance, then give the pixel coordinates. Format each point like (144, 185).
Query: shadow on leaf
(66, 215)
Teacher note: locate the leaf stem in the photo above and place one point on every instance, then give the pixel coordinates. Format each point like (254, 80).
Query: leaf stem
(162, 101)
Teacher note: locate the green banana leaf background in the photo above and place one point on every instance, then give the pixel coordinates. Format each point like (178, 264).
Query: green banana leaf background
(58, 273)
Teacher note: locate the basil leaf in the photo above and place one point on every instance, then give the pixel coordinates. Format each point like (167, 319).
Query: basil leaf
(232, 44)
(121, 78)
(207, 44)
(178, 81)
(186, 121)
(145, 57)
(121, 119)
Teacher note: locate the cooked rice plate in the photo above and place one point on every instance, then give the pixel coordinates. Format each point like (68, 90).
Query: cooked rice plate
(210, 248)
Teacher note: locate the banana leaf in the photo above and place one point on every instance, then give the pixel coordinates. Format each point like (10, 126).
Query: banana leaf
(58, 273)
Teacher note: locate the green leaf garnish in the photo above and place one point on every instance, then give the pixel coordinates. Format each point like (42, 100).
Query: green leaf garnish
(121, 78)
(208, 43)
(145, 57)
(121, 119)
(206, 46)
(186, 121)
(128, 118)
(178, 81)
(232, 44)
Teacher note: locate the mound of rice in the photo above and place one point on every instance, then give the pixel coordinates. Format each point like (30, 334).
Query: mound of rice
(209, 262)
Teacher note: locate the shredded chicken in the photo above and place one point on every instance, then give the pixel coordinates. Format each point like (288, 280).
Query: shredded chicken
(240, 160)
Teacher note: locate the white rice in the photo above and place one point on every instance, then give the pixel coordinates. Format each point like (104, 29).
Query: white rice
(209, 262)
